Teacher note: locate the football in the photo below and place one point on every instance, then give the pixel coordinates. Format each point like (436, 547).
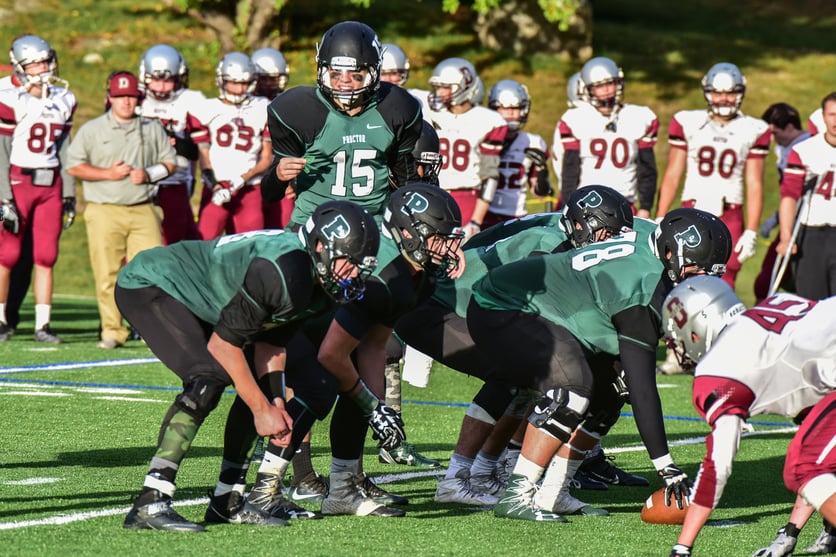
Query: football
(654, 510)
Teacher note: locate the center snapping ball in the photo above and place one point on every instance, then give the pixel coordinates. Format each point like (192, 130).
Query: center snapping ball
(655, 511)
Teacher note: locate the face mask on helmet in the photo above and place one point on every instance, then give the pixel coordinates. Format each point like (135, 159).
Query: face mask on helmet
(511, 94)
(271, 71)
(163, 62)
(595, 213)
(693, 315)
(425, 222)
(394, 62)
(31, 49)
(690, 242)
(724, 78)
(426, 155)
(343, 240)
(598, 72)
(460, 77)
(235, 67)
(349, 54)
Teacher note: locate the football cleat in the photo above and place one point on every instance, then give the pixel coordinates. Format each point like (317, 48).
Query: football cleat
(518, 503)
(347, 497)
(505, 465)
(825, 543)
(566, 504)
(487, 483)
(6, 332)
(234, 508)
(266, 496)
(46, 334)
(159, 515)
(600, 467)
(459, 490)
(311, 489)
(380, 495)
(583, 481)
(408, 455)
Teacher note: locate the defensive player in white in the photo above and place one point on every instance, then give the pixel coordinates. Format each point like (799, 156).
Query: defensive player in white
(470, 139)
(35, 120)
(789, 366)
(164, 76)
(235, 149)
(815, 122)
(522, 163)
(715, 150)
(575, 95)
(607, 141)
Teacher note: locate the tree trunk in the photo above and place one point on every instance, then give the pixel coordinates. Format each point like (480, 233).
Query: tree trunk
(519, 26)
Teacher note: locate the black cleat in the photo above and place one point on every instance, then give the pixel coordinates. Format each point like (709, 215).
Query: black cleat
(233, 508)
(159, 515)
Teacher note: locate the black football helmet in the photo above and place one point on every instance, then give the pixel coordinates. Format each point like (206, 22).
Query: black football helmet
(349, 46)
(692, 241)
(594, 208)
(337, 230)
(426, 153)
(426, 223)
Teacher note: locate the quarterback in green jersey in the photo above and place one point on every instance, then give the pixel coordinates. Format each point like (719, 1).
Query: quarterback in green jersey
(544, 318)
(197, 303)
(346, 137)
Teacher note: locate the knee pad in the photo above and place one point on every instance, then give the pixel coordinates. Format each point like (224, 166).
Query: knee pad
(600, 422)
(494, 397)
(200, 397)
(558, 412)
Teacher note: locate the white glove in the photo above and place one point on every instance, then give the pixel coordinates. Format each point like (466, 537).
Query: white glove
(745, 247)
(236, 184)
(9, 216)
(781, 546)
(222, 196)
(471, 229)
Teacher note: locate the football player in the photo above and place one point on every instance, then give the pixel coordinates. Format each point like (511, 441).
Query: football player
(234, 149)
(164, 77)
(607, 141)
(575, 94)
(471, 139)
(789, 367)
(349, 136)
(35, 121)
(716, 149)
(522, 162)
(196, 304)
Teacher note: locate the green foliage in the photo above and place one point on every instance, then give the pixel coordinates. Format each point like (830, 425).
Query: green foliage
(555, 11)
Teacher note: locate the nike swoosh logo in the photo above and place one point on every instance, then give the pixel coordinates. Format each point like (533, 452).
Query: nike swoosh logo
(370, 127)
(303, 496)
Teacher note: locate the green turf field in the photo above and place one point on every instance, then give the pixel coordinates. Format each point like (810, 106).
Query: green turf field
(80, 424)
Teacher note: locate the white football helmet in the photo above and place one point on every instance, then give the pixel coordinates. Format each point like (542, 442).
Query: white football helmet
(29, 49)
(508, 93)
(724, 78)
(694, 314)
(600, 71)
(575, 90)
(271, 71)
(238, 68)
(393, 59)
(460, 76)
(163, 61)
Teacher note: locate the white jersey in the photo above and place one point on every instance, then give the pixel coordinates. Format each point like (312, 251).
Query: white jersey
(236, 133)
(813, 159)
(515, 173)
(173, 114)
(36, 124)
(463, 139)
(6, 82)
(609, 150)
(789, 363)
(815, 123)
(423, 97)
(717, 155)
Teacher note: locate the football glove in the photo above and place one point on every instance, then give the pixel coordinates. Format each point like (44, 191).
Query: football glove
(745, 247)
(10, 216)
(68, 211)
(471, 229)
(677, 485)
(236, 184)
(782, 545)
(680, 550)
(537, 158)
(222, 196)
(387, 427)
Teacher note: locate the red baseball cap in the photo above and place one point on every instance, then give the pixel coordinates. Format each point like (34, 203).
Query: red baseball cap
(123, 84)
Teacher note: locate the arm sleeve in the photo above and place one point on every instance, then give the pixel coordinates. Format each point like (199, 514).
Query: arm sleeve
(68, 182)
(288, 133)
(716, 467)
(640, 371)
(646, 178)
(571, 174)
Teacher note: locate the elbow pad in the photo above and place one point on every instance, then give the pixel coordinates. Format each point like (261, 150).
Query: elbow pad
(488, 189)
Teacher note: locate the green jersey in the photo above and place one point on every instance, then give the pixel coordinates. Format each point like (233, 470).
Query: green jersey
(508, 228)
(268, 273)
(584, 290)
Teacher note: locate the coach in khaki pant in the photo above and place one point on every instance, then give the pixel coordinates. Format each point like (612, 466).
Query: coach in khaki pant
(119, 156)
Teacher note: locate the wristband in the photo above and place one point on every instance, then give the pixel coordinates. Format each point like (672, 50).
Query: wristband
(479, 224)
(209, 177)
(156, 172)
